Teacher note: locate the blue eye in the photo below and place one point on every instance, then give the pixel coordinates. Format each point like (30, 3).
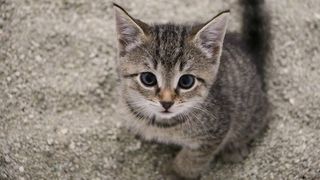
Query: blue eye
(186, 81)
(148, 79)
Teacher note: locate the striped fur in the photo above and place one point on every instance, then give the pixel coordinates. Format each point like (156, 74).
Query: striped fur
(225, 109)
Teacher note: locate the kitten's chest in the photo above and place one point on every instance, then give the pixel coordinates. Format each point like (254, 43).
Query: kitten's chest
(171, 135)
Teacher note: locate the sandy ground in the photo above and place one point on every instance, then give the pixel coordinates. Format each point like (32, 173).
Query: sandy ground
(58, 92)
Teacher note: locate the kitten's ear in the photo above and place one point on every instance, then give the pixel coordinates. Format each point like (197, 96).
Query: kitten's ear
(209, 38)
(131, 32)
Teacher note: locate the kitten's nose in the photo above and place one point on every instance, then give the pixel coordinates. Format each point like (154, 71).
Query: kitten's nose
(166, 104)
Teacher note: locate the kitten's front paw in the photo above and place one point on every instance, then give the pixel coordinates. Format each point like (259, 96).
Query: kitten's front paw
(188, 166)
(169, 173)
(175, 176)
(234, 154)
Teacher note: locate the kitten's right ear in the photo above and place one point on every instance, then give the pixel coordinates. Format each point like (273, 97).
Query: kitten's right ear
(131, 32)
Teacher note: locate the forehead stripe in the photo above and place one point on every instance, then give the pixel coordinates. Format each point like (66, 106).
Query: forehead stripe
(154, 59)
(182, 40)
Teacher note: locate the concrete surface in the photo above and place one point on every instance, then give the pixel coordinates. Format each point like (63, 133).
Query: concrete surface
(58, 92)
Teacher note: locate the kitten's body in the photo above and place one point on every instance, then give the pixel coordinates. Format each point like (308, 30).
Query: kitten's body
(226, 101)
(225, 110)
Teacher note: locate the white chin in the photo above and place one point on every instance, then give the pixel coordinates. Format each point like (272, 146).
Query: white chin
(166, 115)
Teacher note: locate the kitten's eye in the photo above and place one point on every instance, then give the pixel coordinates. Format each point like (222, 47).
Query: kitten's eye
(148, 79)
(186, 81)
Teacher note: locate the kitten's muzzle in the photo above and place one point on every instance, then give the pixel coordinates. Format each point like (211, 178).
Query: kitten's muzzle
(166, 104)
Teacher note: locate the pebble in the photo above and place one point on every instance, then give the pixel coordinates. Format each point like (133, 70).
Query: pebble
(17, 74)
(22, 56)
(7, 159)
(21, 169)
(64, 131)
(113, 137)
(110, 132)
(50, 141)
(84, 130)
(119, 125)
(135, 147)
(72, 145)
(31, 116)
(108, 162)
(291, 101)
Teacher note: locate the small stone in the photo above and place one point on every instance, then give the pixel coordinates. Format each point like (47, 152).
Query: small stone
(291, 101)
(83, 130)
(22, 56)
(64, 131)
(21, 169)
(119, 124)
(135, 147)
(50, 141)
(285, 70)
(72, 169)
(7, 159)
(17, 73)
(38, 58)
(6, 149)
(92, 55)
(110, 132)
(113, 137)
(35, 44)
(72, 145)
(107, 162)
(31, 116)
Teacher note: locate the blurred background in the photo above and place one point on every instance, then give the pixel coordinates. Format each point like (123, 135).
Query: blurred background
(58, 92)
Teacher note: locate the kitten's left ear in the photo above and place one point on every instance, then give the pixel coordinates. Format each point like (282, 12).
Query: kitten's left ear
(131, 32)
(211, 35)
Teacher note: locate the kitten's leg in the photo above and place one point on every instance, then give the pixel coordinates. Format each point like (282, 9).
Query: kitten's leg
(234, 152)
(190, 163)
(237, 147)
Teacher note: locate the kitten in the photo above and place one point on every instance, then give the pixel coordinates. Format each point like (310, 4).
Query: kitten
(197, 86)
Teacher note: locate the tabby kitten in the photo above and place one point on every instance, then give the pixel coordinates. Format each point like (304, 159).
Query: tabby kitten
(197, 86)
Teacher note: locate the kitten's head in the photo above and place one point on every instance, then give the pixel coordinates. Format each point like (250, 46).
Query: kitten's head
(167, 70)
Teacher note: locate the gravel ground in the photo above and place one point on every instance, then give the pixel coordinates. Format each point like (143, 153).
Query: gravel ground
(59, 117)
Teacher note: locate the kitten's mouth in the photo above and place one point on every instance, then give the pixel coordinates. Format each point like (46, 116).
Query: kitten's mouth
(166, 112)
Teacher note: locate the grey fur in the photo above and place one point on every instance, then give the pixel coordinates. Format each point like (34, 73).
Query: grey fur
(228, 104)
